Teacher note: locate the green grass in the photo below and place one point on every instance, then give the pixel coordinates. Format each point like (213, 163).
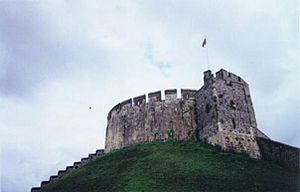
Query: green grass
(177, 166)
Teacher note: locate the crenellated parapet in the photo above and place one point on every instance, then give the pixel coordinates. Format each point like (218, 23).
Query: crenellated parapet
(136, 121)
(220, 112)
(188, 94)
(228, 76)
(53, 178)
(154, 97)
(170, 95)
(223, 75)
(69, 169)
(44, 183)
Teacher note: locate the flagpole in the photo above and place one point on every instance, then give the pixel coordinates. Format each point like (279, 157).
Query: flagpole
(207, 58)
(204, 46)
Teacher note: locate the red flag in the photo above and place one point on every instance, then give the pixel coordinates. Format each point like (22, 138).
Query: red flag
(204, 42)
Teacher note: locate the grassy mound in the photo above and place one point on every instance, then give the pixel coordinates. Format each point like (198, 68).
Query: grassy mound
(177, 166)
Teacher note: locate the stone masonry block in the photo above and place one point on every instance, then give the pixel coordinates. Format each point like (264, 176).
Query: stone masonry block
(139, 100)
(154, 96)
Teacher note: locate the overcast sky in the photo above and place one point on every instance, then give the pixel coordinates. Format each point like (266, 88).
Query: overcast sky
(58, 58)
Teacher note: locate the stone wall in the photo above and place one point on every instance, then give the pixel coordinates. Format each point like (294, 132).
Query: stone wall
(225, 114)
(69, 169)
(139, 122)
(280, 153)
(220, 113)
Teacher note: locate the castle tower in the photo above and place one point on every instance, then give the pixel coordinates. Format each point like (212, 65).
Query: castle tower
(136, 121)
(220, 113)
(225, 114)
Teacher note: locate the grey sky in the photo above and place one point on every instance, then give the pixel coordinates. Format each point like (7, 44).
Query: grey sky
(57, 58)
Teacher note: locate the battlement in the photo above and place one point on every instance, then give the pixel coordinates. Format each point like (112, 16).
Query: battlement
(208, 76)
(127, 102)
(99, 152)
(153, 120)
(61, 173)
(53, 178)
(69, 169)
(153, 97)
(187, 94)
(170, 94)
(84, 160)
(222, 75)
(139, 100)
(44, 183)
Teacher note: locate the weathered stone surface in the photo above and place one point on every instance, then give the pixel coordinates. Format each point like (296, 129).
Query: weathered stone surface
(158, 119)
(69, 169)
(220, 113)
(53, 178)
(44, 184)
(154, 96)
(84, 160)
(225, 114)
(61, 173)
(77, 164)
(280, 153)
(99, 152)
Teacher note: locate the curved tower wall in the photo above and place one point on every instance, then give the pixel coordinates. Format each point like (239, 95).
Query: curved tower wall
(134, 121)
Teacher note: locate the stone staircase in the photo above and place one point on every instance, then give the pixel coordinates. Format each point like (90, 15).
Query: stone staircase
(69, 169)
